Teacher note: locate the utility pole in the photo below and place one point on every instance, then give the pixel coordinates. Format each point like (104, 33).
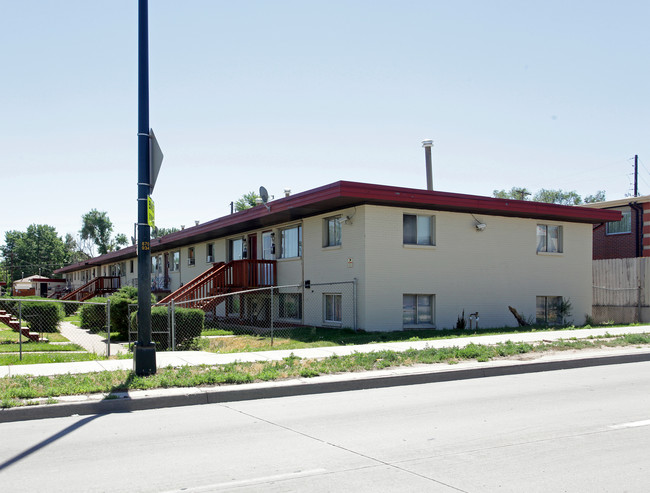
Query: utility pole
(636, 175)
(144, 353)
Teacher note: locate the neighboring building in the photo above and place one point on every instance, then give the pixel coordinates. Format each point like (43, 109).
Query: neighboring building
(38, 286)
(628, 237)
(621, 271)
(419, 257)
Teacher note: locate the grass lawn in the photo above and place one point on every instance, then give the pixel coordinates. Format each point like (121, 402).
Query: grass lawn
(309, 337)
(30, 358)
(74, 319)
(11, 336)
(22, 390)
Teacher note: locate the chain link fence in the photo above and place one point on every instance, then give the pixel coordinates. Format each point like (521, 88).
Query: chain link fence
(106, 327)
(54, 327)
(274, 312)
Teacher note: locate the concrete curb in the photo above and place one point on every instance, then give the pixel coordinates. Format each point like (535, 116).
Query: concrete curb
(161, 398)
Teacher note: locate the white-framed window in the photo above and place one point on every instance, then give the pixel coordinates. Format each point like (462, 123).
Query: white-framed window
(236, 249)
(268, 245)
(418, 309)
(175, 261)
(419, 230)
(622, 226)
(332, 230)
(156, 265)
(549, 238)
(332, 303)
(548, 312)
(291, 242)
(191, 259)
(209, 253)
(290, 305)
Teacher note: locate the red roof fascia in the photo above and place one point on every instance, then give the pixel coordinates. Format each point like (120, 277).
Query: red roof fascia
(473, 203)
(347, 194)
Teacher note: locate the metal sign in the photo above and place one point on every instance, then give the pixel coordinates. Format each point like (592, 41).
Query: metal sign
(151, 212)
(155, 160)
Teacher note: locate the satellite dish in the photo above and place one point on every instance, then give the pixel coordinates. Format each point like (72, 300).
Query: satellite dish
(265, 197)
(264, 194)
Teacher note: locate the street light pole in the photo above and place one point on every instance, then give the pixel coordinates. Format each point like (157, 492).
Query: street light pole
(144, 353)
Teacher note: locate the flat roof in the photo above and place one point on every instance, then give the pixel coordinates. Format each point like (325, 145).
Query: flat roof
(346, 194)
(641, 199)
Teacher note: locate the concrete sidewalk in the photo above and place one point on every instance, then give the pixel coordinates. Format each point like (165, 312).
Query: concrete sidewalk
(412, 375)
(196, 358)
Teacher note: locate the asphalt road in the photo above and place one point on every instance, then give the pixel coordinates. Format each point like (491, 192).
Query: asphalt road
(583, 430)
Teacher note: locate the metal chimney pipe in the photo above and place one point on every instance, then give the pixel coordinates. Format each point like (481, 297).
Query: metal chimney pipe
(428, 144)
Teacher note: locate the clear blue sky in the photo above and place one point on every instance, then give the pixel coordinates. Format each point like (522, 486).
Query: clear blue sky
(298, 94)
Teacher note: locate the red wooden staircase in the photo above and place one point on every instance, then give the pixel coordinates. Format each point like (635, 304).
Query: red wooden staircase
(13, 323)
(96, 287)
(223, 278)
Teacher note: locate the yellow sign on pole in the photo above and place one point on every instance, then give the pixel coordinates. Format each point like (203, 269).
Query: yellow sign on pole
(151, 212)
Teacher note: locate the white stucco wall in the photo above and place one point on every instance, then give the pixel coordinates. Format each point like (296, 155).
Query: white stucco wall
(469, 270)
(465, 270)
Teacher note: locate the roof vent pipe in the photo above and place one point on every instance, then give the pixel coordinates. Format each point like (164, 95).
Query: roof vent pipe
(428, 144)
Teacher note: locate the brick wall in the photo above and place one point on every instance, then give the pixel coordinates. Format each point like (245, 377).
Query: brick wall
(622, 245)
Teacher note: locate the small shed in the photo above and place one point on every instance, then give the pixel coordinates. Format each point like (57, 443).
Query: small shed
(38, 286)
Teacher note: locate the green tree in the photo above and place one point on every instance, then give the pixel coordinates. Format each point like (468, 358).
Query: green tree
(96, 230)
(39, 250)
(549, 196)
(515, 193)
(558, 197)
(160, 232)
(599, 196)
(246, 201)
(74, 250)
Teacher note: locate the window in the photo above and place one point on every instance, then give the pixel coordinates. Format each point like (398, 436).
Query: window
(419, 230)
(176, 261)
(209, 253)
(417, 309)
(332, 312)
(268, 245)
(549, 238)
(290, 305)
(236, 249)
(548, 310)
(622, 226)
(291, 239)
(190, 256)
(233, 304)
(332, 231)
(123, 269)
(130, 267)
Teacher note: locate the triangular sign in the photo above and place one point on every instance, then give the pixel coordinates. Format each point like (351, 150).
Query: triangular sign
(155, 160)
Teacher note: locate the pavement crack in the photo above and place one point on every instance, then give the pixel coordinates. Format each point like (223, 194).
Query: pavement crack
(340, 447)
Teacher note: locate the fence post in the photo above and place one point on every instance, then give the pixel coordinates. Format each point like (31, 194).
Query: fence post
(20, 329)
(354, 302)
(640, 285)
(172, 307)
(271, 315)
(108, 328)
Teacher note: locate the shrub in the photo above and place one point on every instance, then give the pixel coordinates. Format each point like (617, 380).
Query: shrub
(189, 325)
(93, 316)
(461, 323)
(120, 301)
(70, 308)
(42, 316)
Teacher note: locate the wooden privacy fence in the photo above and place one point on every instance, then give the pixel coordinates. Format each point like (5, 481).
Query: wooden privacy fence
(619, 291)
